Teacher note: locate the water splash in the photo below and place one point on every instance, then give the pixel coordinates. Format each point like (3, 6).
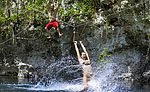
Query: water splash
(58, 86)
(104, 79)
(99, 83)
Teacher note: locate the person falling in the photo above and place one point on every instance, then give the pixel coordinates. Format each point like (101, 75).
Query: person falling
(84, 60)
(52, 24)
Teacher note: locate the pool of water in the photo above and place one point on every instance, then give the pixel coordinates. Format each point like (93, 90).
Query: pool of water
(28, 88)
(12, 84)
(24, 88)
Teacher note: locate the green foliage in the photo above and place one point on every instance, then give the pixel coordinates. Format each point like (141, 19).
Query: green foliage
(80, 10)
(103, 55)
(148, 18)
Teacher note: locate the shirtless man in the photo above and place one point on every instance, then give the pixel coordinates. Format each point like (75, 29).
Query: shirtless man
(84, 60)
(52, 24)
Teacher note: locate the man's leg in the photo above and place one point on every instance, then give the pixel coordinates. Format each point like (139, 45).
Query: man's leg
(49, 33)
(85, 81)
(60, 34)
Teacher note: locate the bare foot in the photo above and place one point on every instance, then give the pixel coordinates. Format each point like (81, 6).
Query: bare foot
(60, 34)
(49, 37)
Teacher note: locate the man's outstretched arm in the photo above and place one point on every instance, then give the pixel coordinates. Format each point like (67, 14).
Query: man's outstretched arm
(84, 49)
(77, 50)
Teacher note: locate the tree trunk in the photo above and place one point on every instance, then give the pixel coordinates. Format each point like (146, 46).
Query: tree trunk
(52, 8)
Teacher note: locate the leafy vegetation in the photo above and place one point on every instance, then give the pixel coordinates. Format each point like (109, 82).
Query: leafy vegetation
(103, 55)
(16, 15)
(27, 10)
(78, 11)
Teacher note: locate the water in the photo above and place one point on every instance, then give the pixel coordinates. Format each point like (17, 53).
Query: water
(103, 80)
(11, 84)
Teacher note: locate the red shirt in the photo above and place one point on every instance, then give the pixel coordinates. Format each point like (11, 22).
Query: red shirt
(52, 24)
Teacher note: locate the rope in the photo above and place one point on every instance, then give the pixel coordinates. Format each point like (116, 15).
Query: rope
(68, 23)
(74, 33)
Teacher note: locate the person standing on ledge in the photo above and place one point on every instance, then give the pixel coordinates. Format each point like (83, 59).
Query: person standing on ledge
(84, 60)
(53, 24)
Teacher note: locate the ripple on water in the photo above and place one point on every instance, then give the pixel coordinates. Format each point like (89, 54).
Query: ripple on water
(58, 87)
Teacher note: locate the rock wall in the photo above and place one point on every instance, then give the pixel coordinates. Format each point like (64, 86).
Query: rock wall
(125, 35)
